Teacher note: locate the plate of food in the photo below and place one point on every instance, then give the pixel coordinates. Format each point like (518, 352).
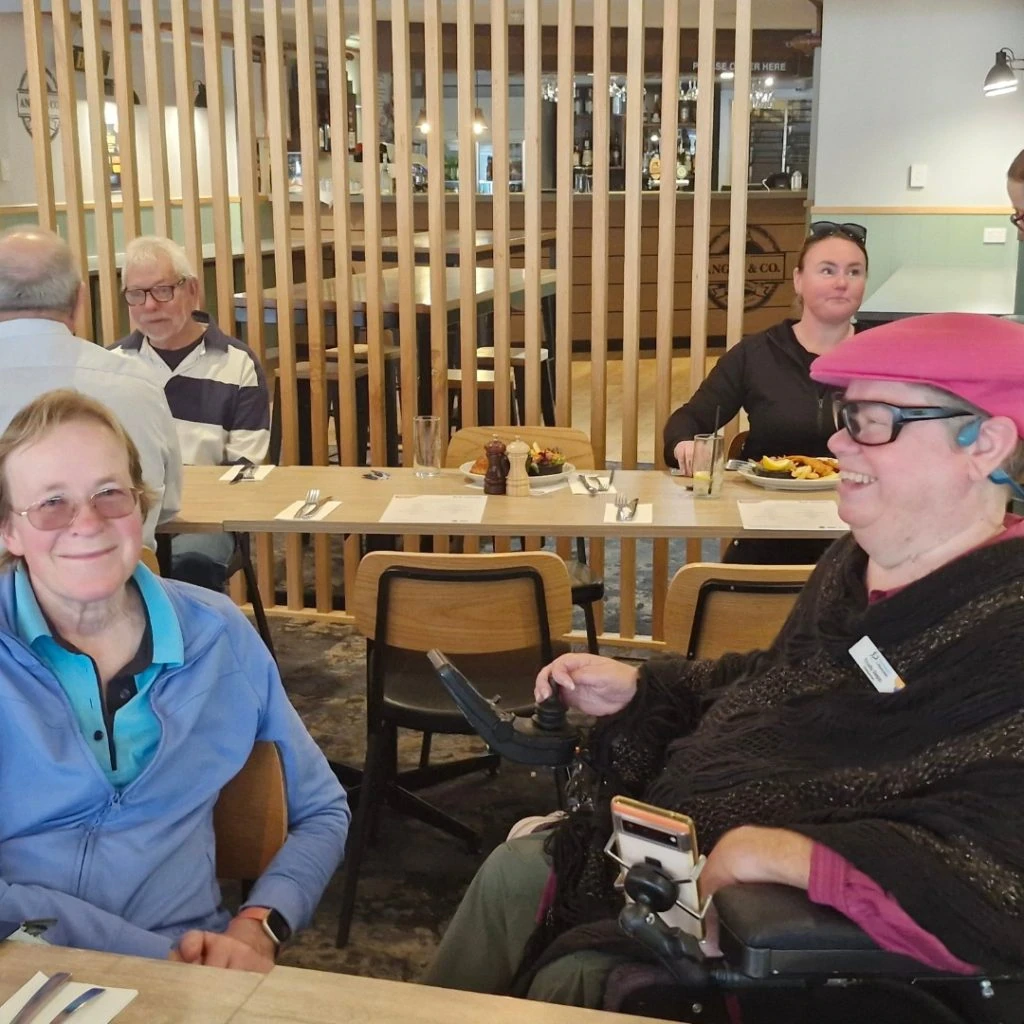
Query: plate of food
(792, 473)
(544, 466)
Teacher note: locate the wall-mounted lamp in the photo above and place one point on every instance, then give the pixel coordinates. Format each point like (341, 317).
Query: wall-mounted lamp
(1001, 80)
(479, 122)
(200, 100)
(422, 124)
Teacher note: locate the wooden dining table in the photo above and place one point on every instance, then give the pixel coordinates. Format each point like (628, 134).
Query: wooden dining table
(484, 244)
(176, 993)
(210, 505)
(424, 298)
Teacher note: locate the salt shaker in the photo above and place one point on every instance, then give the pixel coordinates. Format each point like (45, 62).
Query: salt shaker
(517, 484)
(497, 466)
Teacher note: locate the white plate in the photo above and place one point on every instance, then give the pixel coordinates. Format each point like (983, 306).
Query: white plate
(780, 483)
(535, 481)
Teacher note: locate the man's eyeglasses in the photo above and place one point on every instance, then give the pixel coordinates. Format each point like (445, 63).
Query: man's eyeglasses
(875, 423)
(1017, 220)
(160, 292)
(60, 511)
(826, 228)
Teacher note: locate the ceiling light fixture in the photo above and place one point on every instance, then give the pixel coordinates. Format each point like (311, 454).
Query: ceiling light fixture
(479, 122)
(422, 124)
(1001, 80)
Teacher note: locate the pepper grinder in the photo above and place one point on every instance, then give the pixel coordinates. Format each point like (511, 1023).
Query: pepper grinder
(517, 484)
(497, 466)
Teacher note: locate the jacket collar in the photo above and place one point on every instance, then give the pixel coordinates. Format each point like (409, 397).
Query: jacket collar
(214, 338)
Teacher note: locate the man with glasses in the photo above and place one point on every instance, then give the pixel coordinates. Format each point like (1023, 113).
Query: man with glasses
(873, 755)
(41, 297)
(214, 384)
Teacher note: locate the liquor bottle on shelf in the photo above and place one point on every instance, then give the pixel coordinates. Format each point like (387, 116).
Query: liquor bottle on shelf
(576, 155)
(578, 103)
(615, 153)
(682, 159)
(654, 169)
(588, 105)
(588, 153)
(490, 168)
(656, 114)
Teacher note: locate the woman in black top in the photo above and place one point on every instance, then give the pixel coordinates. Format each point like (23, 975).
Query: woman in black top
(768, 375)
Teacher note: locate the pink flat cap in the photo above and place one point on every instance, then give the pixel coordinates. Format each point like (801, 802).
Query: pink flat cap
(976, 357)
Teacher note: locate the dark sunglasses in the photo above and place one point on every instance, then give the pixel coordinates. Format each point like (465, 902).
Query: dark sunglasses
(1017, 219)
(877, 423)
(827, 228)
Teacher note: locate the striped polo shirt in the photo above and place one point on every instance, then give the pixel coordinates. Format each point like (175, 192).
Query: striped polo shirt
(217, 394)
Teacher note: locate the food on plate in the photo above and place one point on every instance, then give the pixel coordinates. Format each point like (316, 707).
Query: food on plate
(544, 461)
(479, 468)
(796, 467)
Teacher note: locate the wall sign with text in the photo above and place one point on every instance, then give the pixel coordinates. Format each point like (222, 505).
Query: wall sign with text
(766, 269)
(25, 108)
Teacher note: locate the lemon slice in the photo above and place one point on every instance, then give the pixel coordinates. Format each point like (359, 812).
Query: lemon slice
(776, 465)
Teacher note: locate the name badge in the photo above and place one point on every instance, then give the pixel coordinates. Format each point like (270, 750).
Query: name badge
(874, 665)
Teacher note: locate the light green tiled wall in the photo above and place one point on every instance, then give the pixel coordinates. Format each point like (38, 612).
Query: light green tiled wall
(933, 240)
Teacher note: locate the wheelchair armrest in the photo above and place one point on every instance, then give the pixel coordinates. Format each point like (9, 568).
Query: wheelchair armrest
(775, 930)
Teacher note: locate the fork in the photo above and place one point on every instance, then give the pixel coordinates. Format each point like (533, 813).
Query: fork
(623, 513)
(312, 498)
(596, 480)
(588, 485)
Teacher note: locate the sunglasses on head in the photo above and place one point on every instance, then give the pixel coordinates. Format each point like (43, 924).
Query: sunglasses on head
(827, 228)
(1017, 219)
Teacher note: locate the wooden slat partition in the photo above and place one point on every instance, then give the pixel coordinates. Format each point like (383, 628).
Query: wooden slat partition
(467, 214)
(213, 63)
(183, 96)
(564, 209)
(739, 172)
(531, 199)
(120, 30)
(71, 155)
(39, 111)
(666, 282)
(103, 219)
(500, 206)
(160, 184)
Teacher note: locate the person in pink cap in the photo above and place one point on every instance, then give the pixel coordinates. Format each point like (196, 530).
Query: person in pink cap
(873, 755)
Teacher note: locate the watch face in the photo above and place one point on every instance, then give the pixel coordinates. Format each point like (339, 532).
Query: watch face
(278, 927)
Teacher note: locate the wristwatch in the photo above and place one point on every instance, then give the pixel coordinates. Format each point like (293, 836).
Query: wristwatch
(274, 924)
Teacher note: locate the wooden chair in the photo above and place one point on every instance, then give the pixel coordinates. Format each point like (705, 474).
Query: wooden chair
(736, 444)
(467, 444)
(250, 818)
(498, 616)
(712, 608)
(150, 561)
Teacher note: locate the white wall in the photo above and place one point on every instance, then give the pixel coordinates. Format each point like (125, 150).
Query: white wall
(900, 84)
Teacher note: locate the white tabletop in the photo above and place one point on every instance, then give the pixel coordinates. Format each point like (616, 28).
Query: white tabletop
(915, 289)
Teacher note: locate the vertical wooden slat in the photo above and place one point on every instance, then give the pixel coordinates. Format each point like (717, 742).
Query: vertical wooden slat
(368, 60)
(666, 281)
(434, 81)
(245, 126)
(152, 46)
(309, 142)
(500, 206)
(564, 210)
(401, 63)
(702, 193)
(277, 132)
(338, 85)
(71, 155)
(467, 211)
(224, 265)
(531, 202)
(739, 174)
(631, 296)
(39, 110)
(103, 220)
(180, 26)
(124, 95)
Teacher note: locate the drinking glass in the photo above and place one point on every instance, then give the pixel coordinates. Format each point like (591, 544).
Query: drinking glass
(708, 465)
(426, 445)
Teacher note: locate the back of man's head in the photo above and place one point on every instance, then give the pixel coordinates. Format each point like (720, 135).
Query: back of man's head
(38, 275)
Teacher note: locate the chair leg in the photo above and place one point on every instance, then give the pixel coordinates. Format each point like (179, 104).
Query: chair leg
(408, 803)
(253, 592)
(588, 618)
(370, 797)
(547, 393)
(425, 750)
(389, 760)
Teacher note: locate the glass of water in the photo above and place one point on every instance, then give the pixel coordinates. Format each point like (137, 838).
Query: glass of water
(708, 465)
(426, 445)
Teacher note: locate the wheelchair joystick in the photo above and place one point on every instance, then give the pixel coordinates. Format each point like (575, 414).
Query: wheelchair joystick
(549, 715)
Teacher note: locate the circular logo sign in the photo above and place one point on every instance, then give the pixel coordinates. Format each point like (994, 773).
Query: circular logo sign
(766, 268)
(53, 107)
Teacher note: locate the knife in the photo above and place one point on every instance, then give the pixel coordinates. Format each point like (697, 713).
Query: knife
(41, 996)
(633, 506)
(77, 1003)
(243, 472)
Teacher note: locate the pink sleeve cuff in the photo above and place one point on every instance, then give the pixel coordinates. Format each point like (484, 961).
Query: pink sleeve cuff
(835, 882)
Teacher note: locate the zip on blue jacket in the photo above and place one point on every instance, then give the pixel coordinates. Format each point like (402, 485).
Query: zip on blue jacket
(131, 870)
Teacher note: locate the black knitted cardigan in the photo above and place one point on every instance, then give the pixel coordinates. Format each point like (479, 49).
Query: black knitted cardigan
(922, 790)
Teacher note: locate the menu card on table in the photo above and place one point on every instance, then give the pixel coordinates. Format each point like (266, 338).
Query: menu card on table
(790, 515)
(435, 509)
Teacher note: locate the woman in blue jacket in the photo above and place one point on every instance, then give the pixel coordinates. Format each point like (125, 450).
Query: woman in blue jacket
(126, 703)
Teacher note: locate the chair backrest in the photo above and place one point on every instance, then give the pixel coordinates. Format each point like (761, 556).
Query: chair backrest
(463, 604)
(150, 561)
(250, 818)
(467, 444)
(736, 444)
(715, 607)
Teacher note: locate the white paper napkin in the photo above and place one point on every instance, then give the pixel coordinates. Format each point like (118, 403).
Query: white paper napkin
(644, 514)
(321, 513)
(100, 1010)
(261, 473)
(576, 485)
(790, 515)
